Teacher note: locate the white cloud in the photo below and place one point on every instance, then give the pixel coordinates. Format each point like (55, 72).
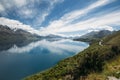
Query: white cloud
(20, 3)
(1, 8)
(27, 13)
(40, 18)
(78, 13)
(14, 24)
(29, 9)
(95, 23)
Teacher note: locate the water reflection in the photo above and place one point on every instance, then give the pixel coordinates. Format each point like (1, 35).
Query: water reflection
(58, 47)
(17, 61)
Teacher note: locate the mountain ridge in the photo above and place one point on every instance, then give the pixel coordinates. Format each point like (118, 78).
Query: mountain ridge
(8, 35)
(97, 34)
(93, 36)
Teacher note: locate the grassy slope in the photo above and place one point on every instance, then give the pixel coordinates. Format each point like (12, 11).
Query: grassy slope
(95, 62)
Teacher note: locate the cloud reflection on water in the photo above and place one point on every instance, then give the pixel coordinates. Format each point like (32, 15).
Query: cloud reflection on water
(57, 47)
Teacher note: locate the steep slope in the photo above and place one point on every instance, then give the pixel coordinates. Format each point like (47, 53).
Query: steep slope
(94, 36)
(94, 63)
(97, 34)
(9, 36)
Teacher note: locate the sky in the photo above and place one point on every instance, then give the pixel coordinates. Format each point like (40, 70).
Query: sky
(61, 17)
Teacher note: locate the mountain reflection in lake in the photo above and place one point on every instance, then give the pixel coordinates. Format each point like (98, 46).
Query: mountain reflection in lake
(19, 62)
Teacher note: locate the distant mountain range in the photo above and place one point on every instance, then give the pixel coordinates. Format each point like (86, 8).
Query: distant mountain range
(94, 36)
(8, 35)
(15, 36)
(97, 34)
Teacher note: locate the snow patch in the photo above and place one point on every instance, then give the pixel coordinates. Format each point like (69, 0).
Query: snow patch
(14, 25)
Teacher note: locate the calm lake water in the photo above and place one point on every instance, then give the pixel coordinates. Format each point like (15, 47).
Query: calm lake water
(19, 62)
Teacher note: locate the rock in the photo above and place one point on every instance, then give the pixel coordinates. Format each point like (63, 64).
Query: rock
(112, 78)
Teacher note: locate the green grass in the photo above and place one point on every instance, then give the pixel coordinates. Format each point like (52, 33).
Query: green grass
(92, 63)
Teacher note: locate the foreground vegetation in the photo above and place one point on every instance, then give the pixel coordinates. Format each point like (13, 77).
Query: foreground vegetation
(94, 63)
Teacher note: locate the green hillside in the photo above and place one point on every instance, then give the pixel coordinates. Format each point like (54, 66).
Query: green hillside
(97, 62)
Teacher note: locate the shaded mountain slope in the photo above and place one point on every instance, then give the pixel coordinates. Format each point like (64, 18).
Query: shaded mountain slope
(8, 35)
(94, 36)
(19, 37)
(97, 34)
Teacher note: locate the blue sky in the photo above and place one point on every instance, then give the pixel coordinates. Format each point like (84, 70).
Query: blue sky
(61, 17)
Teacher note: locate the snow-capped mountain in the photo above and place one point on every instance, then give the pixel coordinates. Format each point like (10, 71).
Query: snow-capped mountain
(15, 25)
(13, 36)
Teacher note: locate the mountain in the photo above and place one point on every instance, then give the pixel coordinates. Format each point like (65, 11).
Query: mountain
(53, 36)
(94, 36)
(97, 62)
(97, 34)
(9, 36)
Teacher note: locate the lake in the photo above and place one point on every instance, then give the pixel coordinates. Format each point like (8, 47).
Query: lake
(17, 62)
